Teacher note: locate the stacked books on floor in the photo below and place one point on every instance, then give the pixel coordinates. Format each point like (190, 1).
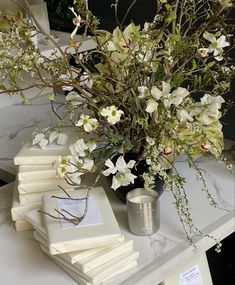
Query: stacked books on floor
(36, 176)
(91, 251)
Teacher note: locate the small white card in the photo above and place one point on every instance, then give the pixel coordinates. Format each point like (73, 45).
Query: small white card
(191, 277)
(77, 208)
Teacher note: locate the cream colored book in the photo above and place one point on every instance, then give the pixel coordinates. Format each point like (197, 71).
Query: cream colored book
(42, 185)
(35, 218)
(69, 256)
(33, 197)
(95, 259)
(23, 226)
(98, 228)
(103, 272)
(82, 281)
(30, 154)
(18, 210)
(36, 172)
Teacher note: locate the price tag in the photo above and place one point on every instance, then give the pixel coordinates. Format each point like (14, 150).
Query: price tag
(191, 277)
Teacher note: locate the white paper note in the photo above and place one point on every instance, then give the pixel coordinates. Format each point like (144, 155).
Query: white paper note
(77, 208)
(191, 277)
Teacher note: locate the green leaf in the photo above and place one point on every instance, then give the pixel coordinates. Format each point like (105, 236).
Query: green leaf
(176, 80)
(210, 64)
(159, 74)
(194, 64)
(108, 152)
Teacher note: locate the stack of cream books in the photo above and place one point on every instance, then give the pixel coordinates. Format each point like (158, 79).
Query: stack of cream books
(91, 251)
(36, 176)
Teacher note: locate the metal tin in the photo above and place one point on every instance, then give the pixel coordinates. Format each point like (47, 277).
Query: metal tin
(143, 211)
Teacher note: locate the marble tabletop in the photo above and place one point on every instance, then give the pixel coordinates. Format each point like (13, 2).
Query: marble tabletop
(22, 261)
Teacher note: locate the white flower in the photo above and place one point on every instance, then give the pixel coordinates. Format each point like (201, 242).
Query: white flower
(76, 21)
(53, 136)
(213, 101)
(61, 170)
(211, 108)
(78, 148)
(122, 179)
(203, 52)
(184, 116)
(88, 164)
(122, 170)
(112, 113)
(43, 143)
(178, 95)
(75, 177)
(111, 168)
(156, 93)
(89, 124)
(61, 138)
(144, 91)
(121, 166)
(152, 106)
(91, 144)
(40, 140)
(165, 93)
(216, 45)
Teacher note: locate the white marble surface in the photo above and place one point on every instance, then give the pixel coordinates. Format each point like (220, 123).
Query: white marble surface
(22, 262)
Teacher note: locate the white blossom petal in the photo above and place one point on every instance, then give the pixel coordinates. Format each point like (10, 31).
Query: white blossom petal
(156, 93)
(62, 139)
(152, 106)
(38, 138)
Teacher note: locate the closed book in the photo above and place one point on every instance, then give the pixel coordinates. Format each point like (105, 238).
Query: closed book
(30, 154)
(95, 259)
(103, 272)
(35, 218)
(18, 210)
(69, 256)
(36, 172)
(82, 281)
(98, 228)
(33, 197)
(42, 185)
(21, 226)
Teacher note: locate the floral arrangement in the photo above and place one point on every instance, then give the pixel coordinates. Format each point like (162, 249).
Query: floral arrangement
(155, 91)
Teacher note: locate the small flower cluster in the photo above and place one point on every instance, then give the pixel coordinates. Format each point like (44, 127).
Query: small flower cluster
(46, 136)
